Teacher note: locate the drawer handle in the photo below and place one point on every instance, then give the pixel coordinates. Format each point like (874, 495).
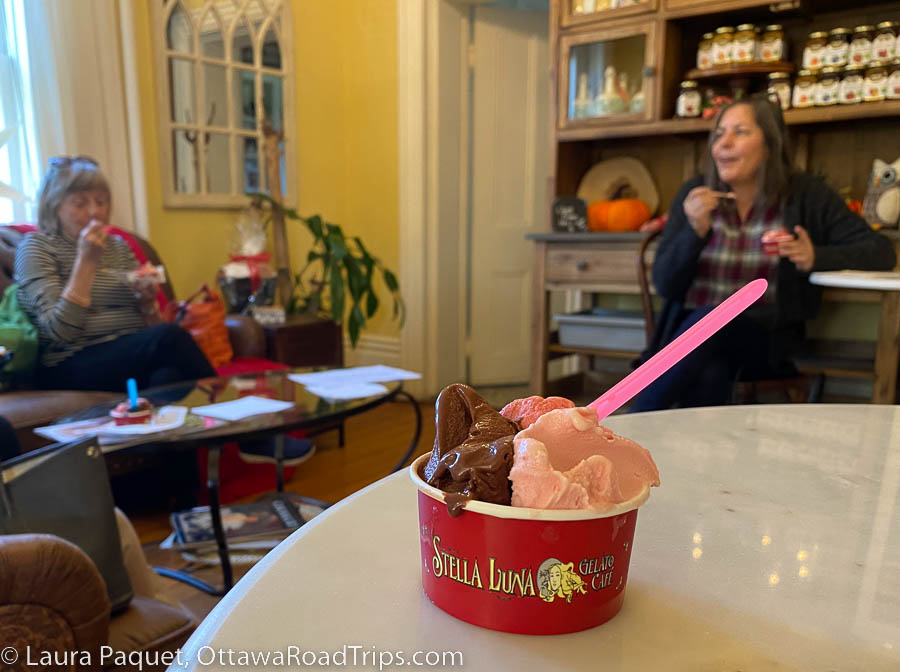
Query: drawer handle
(581, 266)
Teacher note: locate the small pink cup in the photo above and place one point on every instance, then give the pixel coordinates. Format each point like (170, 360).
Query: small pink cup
(771, 239)
(123, 415)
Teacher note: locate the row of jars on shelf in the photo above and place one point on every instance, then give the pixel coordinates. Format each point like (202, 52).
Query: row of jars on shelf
(838, 47)
(746, 44)
(829, 86)
(841, 46)
(877, 81)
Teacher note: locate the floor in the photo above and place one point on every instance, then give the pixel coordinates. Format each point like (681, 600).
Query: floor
(374, 442)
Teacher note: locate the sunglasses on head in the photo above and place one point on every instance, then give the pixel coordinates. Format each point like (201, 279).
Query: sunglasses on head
(66, 161)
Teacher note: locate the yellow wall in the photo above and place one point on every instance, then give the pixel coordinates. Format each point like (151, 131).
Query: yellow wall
(345, 69)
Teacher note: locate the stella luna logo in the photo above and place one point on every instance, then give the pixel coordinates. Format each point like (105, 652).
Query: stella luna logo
(555, 579)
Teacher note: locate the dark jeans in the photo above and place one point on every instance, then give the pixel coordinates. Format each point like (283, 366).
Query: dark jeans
(157, 355)
(705, 376)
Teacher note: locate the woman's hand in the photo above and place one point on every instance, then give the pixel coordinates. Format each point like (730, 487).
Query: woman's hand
(698, 207)
(92, 242)
(800, 250)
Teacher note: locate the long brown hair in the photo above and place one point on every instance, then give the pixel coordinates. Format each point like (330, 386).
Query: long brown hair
(773, 175)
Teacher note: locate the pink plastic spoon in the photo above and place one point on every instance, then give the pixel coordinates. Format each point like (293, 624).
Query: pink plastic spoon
(666, 358)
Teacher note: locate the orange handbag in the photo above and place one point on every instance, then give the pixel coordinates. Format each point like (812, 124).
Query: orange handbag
(203, 316)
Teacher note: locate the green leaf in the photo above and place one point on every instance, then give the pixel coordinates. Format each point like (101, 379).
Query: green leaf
(390, 280)
(336, 245)
(362, 248)
(314, 224)
(336, 293)
(355, 324)
(371, 303)
(354, 278)
(313, 255)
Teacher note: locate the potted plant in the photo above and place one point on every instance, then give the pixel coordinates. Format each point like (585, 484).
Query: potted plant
(338, 277)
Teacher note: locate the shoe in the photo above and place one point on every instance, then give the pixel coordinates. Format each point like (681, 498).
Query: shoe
(296, 451)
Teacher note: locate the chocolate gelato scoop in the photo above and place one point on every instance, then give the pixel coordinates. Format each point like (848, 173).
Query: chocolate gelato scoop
(473, 449)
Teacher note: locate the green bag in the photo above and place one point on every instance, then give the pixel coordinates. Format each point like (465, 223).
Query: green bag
(19, 336)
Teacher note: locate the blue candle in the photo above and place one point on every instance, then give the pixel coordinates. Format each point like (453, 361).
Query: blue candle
(132, 393)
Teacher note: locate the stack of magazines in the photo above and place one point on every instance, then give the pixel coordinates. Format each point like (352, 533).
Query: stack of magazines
(271, 518)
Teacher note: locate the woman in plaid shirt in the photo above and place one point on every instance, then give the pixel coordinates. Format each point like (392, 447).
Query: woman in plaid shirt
(711, 246)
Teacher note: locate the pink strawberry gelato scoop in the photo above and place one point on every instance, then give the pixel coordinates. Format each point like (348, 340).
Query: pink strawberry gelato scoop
(526, 411)
(566, 460)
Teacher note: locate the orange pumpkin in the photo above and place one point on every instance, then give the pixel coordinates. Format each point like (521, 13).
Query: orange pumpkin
(598, 214)
(623, 214)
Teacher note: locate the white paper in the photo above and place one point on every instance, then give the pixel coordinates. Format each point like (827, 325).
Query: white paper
(164, 419)
(348, 391)
(359, 374)
(242, 408)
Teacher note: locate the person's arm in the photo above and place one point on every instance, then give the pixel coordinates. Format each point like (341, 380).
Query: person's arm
(91, 243)
(675, 264)
(41, 292)
(845, 240)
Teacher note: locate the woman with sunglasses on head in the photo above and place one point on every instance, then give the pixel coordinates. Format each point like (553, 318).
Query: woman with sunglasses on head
(71, 274)
(713, 244)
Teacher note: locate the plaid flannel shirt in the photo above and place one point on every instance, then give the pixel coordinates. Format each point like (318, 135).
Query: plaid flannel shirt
(733, 257)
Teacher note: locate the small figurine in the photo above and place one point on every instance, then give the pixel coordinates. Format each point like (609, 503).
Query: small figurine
(610, 102)
(881, 207)
(582, 99)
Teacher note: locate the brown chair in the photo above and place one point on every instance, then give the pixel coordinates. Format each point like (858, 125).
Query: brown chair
(794, 387)
(53, 599)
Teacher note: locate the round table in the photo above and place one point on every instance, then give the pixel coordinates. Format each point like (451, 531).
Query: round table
(304, 410)
(772, 543)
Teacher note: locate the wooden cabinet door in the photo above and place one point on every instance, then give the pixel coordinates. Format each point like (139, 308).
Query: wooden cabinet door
(580, 12)
(609, 75)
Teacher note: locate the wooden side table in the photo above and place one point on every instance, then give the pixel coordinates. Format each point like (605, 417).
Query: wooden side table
(305, 340)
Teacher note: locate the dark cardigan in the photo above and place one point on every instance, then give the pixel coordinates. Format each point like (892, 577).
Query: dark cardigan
(842, 240)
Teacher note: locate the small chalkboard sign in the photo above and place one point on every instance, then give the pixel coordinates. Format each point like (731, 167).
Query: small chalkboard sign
(569, 215)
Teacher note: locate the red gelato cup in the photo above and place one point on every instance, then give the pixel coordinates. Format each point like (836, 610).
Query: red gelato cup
(124, 416)
(770, 240)
(526, 571)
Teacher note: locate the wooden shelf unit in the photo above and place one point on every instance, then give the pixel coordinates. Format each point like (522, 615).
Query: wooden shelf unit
(839, 142)
(793, 117)
(739, 70)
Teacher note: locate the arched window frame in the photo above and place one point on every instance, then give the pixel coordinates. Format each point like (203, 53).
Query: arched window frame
(259, 16)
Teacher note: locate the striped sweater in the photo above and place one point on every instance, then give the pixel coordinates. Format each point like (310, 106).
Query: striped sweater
(42, 269)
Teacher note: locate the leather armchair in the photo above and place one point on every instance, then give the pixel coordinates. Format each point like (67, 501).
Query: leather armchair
(52, 598)
(28, 409)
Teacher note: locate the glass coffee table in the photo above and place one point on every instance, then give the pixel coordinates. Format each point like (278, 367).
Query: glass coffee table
(307, 411)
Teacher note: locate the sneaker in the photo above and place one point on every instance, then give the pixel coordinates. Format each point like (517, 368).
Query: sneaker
(296, 451)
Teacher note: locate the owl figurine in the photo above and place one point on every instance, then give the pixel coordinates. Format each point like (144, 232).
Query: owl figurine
(881, 208)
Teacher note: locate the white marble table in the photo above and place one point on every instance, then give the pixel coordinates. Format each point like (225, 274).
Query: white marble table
(881, 287)
(772, 544)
